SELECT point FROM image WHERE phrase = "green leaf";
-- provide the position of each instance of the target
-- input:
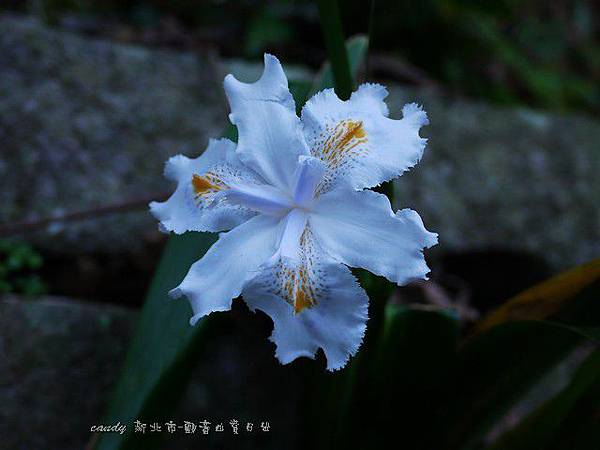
(591, 333)
(559, 419)
(493, 371)
(412, 345)
(545, 299)
(580, 428)
(415, 349)
(401, 382)
(356, 47)
(571, 301)
(159, 357)
(334, 42)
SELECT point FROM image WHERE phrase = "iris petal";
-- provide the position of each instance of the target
(314, 303)
(308, 176)
(218, 277)
(191, 207)
(270, 138)
(361, 146)
(358, 228)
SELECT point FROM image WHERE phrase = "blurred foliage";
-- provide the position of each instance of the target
(540, 53)
(566, 421)
(545, 299)
(19, 264)
(426, 387)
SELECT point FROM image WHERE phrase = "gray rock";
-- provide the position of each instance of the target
(60, 358)
(58, 361)
(86, 123)
(511, 179)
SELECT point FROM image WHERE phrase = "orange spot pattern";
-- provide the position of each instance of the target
(341, 141)
(339, 146)
(298, 285)
(207, 184)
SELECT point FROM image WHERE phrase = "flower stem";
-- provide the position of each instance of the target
(336, 50)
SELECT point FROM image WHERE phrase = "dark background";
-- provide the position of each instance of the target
(518, 72)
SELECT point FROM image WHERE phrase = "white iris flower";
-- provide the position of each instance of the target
(293, 193)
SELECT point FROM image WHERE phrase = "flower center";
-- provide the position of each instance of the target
(309, 173)
(264, 198)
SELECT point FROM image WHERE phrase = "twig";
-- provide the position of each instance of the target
(27, 226)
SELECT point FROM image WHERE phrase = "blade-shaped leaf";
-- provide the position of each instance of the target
(545, 299)
(580, 429)
(331, 26)
(551, 421)
(393, 397)
(498, 365)
(161, 346)
(416, 350)
(356, 47)
(493, 371)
